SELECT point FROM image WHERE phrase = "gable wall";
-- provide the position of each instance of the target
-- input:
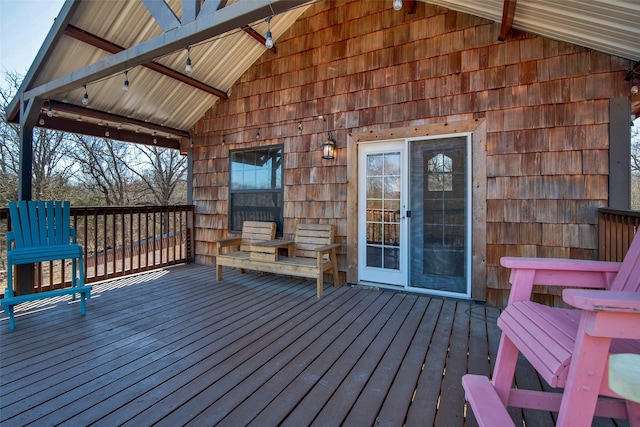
(365, 67)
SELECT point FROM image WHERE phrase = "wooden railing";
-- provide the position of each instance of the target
(117, 241)
(616, 229)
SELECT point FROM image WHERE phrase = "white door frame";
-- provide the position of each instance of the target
(395, 279)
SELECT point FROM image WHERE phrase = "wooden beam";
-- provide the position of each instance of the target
(107, 46)
(259, 37)
(83, 111)
(64, 124)
(163, 14)
(508, 12)
(235, 15)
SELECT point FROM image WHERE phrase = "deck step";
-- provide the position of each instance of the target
(487, 406)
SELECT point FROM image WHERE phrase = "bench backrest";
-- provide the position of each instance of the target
(628, 277)
(256, 231)
(308, 237)
(39, 223)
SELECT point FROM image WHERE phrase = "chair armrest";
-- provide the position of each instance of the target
(598, 300)
(326, 248)
(560, 264)
(526, 272)
(230, 241)
(609, 314)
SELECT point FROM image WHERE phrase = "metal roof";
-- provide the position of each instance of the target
(88, 35)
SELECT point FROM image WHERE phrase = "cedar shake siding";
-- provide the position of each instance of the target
(542, 105)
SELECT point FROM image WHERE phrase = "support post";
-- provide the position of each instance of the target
(29, 112)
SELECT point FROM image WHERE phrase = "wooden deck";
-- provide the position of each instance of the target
(174, 347)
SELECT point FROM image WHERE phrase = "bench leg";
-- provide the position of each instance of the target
(334, 269)
(320, 284)
(218, 272)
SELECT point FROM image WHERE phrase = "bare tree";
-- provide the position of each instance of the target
(103, 168)
(162, 170)
(50, 168)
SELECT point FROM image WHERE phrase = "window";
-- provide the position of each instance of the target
(255, 189)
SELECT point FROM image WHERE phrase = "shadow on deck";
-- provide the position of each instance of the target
(175, 347)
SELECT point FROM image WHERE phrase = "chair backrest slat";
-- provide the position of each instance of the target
(40, 223)
(15, 223)
(256, 231)
(308, 237)
(628, 277)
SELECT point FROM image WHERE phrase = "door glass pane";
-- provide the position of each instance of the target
(383, 210)
(438, 214)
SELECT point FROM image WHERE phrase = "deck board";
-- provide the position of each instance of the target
(175, 347)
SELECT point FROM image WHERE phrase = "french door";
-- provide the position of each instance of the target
(414, 220)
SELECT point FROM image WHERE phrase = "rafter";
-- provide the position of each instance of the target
(508, 12)
(113, 48)
(190, 10)
(162, 13)
(258, 37)
(411, 6)
(205, 27)
(210, 6)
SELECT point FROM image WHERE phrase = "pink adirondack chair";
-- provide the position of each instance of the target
(569, 348)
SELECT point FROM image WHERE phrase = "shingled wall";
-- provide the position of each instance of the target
(365, 67)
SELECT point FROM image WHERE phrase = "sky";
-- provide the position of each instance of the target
(24, 24)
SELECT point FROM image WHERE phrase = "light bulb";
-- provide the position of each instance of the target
(49, 111)
(269, 40)
(85, 98)
(125, 85)
(634, 87)
(397, 4)
(41, 121)
(187, 67)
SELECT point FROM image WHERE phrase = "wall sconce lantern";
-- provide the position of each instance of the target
(329, 148)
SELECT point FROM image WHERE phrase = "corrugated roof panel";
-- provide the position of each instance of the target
(611, 27)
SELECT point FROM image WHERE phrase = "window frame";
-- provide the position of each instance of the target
(237, 228)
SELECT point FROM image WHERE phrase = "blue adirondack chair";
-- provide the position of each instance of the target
(42, 232)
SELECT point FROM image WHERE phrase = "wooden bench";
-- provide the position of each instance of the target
(41, 232)
(568, 347)
(310, 254)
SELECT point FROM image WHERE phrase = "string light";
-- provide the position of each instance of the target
(49, 111)
(634, 87)
(125, 85)
(269, 38)
(85, 98)
(397, 4)
(187, 67)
